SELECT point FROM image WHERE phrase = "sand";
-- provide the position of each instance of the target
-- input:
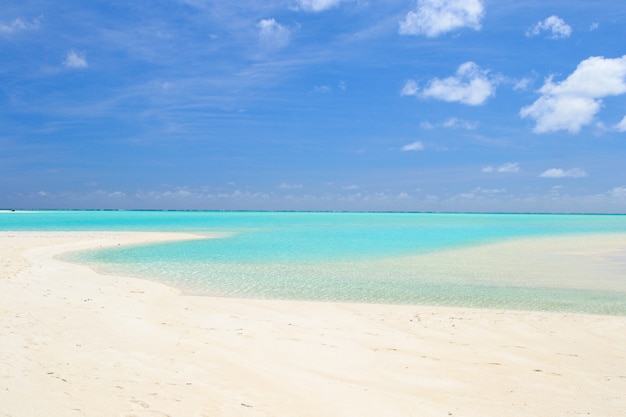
(76, 343)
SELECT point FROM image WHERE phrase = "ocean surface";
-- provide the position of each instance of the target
(352, 257)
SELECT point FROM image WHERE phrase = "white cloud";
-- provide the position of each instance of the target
(594, 26)
(74, 59)
(317, 5)
(574, 102)
(272, 34)
(455, 123)
(471, 85)
(287, 186)
(561, 173)
(618, 192)
(508, 167)
(415, 146)
(18, 25)
(621, 126)
(490, 191)
(410, 88)
(323, 89)
(522, 84)
(556, 26)
(435, 17)
(480, 192)
(451, 123)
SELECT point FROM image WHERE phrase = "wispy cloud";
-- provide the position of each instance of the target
(75, 59)
(451, 123)
(471, 85)
(272, 34)
(415, 146)
(508, 167)
(553, 25)
(18, 25)
(621, 126)
(288, 186)
(574, 102)
(523, 84)
(436, 17)
(325, 88)
(322, 89)
(410, 88)
(618, 192)
(561, 173)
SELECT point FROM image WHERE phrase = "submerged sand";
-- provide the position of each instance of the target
(77, 343)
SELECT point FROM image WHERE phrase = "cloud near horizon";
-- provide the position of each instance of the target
(471, 85)
(554, 25)
(573, 103)
(436, 17)
(288, 186)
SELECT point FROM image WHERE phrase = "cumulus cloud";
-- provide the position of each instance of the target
(415, 146)
(508, 167)
(561, 173)
(317, 5)
(471, 85)
(554, 25)
(272, 34)
(18, 25)
(74, 59)
(574, 102)
(621, 126)
(436, 17)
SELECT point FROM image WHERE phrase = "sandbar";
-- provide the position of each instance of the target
(77, 343)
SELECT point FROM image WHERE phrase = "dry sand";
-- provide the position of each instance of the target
(76, 343)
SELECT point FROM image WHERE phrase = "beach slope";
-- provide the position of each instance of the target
(77, 343)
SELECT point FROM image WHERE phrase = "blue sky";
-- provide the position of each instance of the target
(427, 105)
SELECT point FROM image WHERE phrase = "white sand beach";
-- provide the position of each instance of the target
(77, 343)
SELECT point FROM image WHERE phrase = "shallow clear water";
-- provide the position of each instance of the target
(329, 256)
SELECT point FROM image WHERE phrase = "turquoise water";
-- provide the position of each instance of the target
(330, 256)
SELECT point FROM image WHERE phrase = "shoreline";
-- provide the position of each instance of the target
(79, 343)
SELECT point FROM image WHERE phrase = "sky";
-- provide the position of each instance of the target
(395, 105)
